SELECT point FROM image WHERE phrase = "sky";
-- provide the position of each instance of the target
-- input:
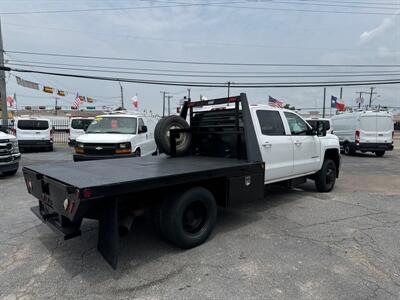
(238, 31)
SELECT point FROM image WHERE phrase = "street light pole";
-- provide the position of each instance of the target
(122, 95)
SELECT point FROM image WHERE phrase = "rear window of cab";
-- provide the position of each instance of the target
(33, 124)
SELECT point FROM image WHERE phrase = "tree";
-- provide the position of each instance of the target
(287, 106)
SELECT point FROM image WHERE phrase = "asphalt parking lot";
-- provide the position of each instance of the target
(296, 244)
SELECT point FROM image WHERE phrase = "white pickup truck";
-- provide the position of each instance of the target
(9, 154)
(223, 158)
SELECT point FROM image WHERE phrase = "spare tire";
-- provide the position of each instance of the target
(162, 131)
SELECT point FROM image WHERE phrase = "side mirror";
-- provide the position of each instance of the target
(143, 129)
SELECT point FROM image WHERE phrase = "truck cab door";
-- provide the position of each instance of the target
(306, 147)
(142, 137)
(275, 145)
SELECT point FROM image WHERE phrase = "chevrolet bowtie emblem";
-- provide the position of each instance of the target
(99, 148)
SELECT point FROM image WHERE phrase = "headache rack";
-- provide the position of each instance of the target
(219, 131)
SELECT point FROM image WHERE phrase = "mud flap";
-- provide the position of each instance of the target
(108, 243)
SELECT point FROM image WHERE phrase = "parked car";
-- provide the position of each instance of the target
(115, 136)
(327, 123)
(365, 131)
(223, 158)
(77, 127)
(34, 133)
(9, 154)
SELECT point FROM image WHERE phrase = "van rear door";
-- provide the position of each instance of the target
(368, 128)
(384, 128)
(33, 130)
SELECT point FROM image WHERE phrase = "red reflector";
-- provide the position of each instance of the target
(71, 206)
(87, 193)
(232, 99)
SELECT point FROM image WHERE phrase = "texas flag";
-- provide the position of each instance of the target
(336, 104)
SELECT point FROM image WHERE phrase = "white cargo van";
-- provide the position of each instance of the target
(116, 135)
(77, 127)
(366, 131)
(34, 133)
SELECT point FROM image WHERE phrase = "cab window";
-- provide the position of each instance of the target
(270, 122)
(296, 124)
(141, 124)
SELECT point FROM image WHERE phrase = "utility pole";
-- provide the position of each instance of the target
(163, 105)
(341, 93)
(3, 94)
(16, 104)
(188, 94)
(229, 87)
(122, 95)
(371, 92)
(323, 107)
(169, 104)
(370, 95)
(56, 106)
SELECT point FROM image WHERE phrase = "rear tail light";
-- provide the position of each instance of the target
(51, 134)
(357, 136)
(13, 131)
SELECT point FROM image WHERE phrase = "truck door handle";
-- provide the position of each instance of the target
(267, 145)
(297, 143)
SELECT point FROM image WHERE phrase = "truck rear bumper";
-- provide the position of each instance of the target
(83, 157)
(50, 220)
(35, 143)
(373, 147)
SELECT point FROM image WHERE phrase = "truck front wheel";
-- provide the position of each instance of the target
(326, 177)
(188, 220)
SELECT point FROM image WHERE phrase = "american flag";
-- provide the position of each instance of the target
(78, 101)
(274, 102)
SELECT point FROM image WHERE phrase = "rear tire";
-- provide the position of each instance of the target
(326, 177)
(188, 220)
(348, 150)
(162, 135)
(380, 153)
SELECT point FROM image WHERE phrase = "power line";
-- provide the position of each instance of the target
(207, 76)
(219, 84)
(187, 41)
(307, 10)
(194, 71)
(204, 63)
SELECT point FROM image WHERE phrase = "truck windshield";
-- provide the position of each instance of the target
(122, 125)
(80, 123)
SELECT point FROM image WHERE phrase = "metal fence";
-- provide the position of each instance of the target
(61, 131)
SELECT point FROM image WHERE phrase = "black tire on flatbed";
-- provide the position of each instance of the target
(188, 219)
(326, 177)
(161, 135)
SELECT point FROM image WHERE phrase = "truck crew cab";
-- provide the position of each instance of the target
(223, 158)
